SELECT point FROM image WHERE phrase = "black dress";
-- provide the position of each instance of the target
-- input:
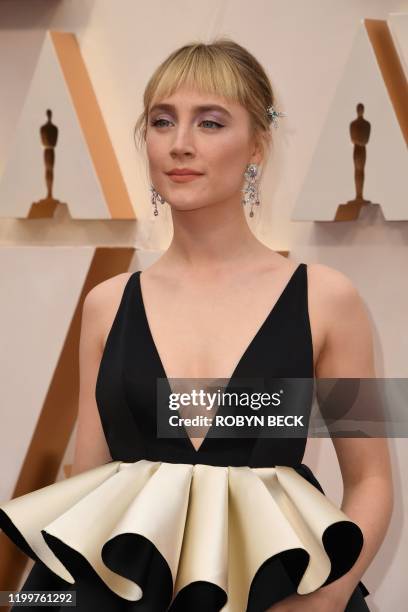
(237, 525)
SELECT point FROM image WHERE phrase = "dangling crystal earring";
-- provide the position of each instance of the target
(155, 195)
(250, 189)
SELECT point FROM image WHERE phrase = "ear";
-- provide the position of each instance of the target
(257, 149)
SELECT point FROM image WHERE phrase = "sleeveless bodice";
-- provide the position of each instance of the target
(126, 386)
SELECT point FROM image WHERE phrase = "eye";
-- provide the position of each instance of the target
(157, 122)
(213, 122)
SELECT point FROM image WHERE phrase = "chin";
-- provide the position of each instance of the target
(180, 206)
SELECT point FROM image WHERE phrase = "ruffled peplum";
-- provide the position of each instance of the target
(190, 530)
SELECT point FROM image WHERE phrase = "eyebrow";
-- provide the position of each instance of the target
(200, 107)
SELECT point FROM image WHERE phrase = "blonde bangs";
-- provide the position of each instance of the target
(222, 68)
(199, 70)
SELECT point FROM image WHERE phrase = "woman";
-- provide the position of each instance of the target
(218, 304)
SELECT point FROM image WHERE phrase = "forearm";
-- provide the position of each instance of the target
(369, 504)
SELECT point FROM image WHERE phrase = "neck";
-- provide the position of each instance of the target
(211, 239)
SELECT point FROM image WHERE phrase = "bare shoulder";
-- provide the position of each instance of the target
(337, 311)
(102, 302)
(344, 319)
(331, 287)
(106, 290)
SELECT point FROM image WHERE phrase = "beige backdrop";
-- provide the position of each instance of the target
(303, 45)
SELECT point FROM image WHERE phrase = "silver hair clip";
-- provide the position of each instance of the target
(273, 115)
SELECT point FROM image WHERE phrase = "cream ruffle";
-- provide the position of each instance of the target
(210, 523)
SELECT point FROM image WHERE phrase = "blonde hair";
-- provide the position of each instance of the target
(222, 67)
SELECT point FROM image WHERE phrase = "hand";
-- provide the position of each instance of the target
(318, 601)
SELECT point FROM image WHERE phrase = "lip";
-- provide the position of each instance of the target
(183, 171)
(183, 178)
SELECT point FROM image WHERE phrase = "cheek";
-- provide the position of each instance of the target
(229, 156)
(154, 160)
(153, 149)
(226, 169)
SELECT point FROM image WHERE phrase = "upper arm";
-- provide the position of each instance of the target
(91, 448)
(348, 353)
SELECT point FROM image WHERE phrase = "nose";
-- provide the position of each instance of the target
(183, 142)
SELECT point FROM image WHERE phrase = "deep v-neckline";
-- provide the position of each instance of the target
(238, 365)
